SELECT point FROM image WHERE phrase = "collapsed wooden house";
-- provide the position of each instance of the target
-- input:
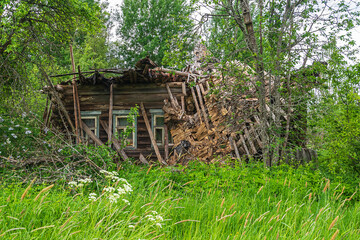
(177, 109)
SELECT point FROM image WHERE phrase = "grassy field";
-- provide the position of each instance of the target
(196, 202)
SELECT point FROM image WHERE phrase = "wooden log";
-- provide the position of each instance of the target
(110, 115)
(203, 107)
(166, 144)
(202, 89)
(143, 159)
(196, 103)
(116, 144)
(185, 74)
(143, 111)
(91, 134)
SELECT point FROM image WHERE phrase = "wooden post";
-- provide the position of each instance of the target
(245, 147)
(110, 115)
(196, 103)
(143, 111)
(173, 100)
(202, 107)
(183, 103)
(166, 144)
(77, 120)
(183, 88)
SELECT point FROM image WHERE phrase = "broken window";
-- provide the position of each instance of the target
(158, 127)
(122, 128)
(91, 119)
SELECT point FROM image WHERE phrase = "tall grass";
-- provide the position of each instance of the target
(211, 203)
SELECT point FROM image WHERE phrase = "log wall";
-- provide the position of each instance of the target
(97, 98)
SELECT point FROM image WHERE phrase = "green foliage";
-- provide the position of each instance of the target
(150, 27)
(196, 202)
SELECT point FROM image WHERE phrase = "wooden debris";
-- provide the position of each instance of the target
(143, 159)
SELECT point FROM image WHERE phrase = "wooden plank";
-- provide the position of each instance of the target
(116, 144)
(173, 100)
(183, 88)
(183, 103)
(76, 113)
(245, 147)
(196, 103)
(143, 159)
(250, 141)
(202, 107)
(233, 144)
(110, 115)
(257, 137)
(91, 134)
(202, 89)
(143, 111)
(166, 144)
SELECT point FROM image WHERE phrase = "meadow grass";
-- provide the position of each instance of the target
(199, 202)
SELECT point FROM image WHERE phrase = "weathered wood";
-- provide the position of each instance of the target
(143, 159)
(233, 144)
(202, 107)
(77, 117)
(185, 74)
(158, 155)
(110, 114)
(91, 134)
(250, 141)
(183, 103)
(202, 89)
(166, 140)
(183, 88)
(196, 103)
(116, 144)
(245, 147)
(173, 100)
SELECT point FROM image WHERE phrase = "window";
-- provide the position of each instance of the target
(120, 125)
(158, 127)
(91, 119)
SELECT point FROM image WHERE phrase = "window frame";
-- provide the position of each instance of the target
(124, 114)
(91, 115)
(159, 113)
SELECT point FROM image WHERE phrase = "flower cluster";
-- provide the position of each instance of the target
(155, 218)
(80, 183)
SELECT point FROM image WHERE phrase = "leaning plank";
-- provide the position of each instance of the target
(143, 159)
(158, 155)
(245, 147)
(233, 144)
(196, 103)
(250, 141)
(91, 134)
(115, 142)
(109, 132)
(76, 112)
(202, 107)
(173, 100)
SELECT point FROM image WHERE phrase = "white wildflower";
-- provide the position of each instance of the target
(114, 173)
(92, 196)
(86, 180)
(8, 141)
(126, 201)
(159, 218)
(113, 198)
(10, 128)
(121, 191)
(59, 150)
(13, 135)
(127, 188)
(46, 130)
(27, 132)
(159, 225)
(73, 184)
(115, 179)
(80, 185)
(154, 212)
(17, 125)
(109, 189)
(23, 114)
(150, 217)
(131, 226)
